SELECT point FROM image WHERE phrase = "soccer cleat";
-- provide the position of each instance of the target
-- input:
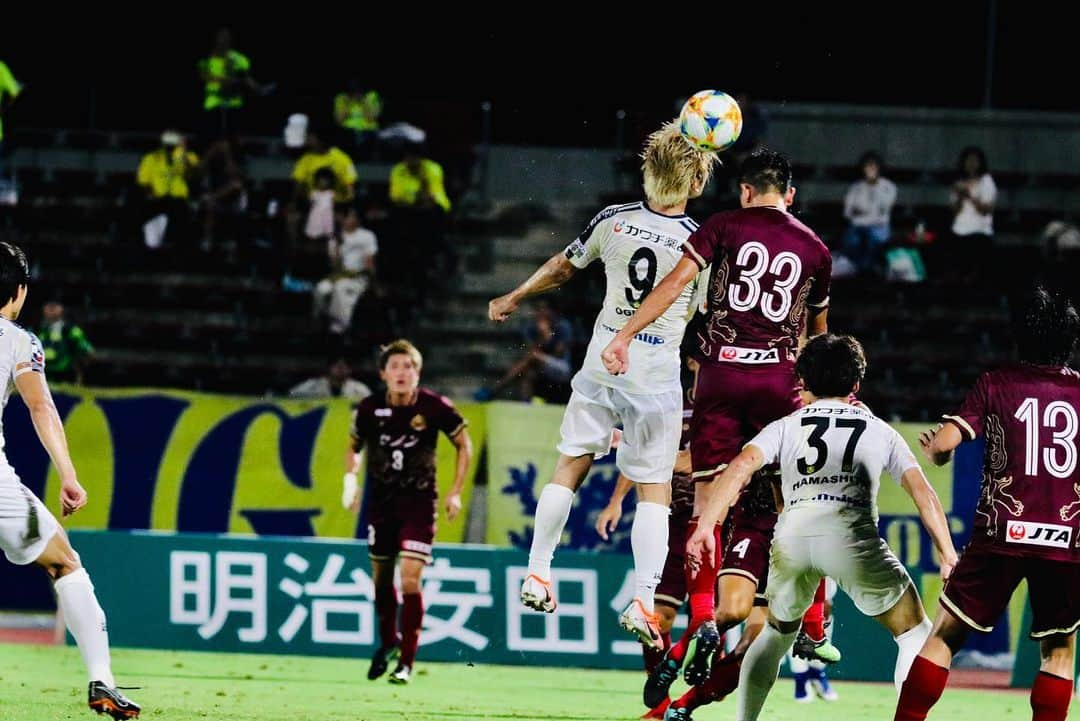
(811, 650)
(659, 682)
(641, 623)
(103, 699)
(677, 713)
(822, 688)
(381, 660)
(536, 594)
(699, 653)
(659, 711)
(401, 675)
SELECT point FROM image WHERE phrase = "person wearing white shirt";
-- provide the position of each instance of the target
(868, 207)
(337, 383)
(973, 197)
(352, 262)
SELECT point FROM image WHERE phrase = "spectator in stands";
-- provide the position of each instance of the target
(225, 199)
(973, 197)
(336, 383)
(67, 350)
(166, 175)
(356, 112)
(226, 76)
(544, 370)
(318, 155)
(418, 220)
(9, 90)
(868, 207)
(352, 265)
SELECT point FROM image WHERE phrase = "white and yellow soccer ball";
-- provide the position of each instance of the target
(711, 120)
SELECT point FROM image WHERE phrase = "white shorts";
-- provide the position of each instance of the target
(26, 525)
(864, 567)
(651, 428)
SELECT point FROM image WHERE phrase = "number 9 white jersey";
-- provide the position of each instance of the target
(638, 248)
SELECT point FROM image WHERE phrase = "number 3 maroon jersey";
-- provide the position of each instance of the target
(767, 268)
(1030, 499)
(401, 442)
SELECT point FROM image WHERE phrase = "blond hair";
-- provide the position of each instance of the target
(400, 347)
(674, 170)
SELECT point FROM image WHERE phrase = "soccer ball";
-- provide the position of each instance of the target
(711, 120)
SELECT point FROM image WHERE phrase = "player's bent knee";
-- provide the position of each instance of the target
(59, 558)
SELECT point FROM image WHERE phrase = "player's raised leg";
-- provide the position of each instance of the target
(85, 621)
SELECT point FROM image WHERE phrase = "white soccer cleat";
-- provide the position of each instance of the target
(536, 594)
(641, 623)
(824, 689)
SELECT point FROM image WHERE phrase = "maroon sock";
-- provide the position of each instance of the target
(653, 656)
(813, 622)
(412, 618)
(386, 608)
(723, 679)
(922, 689)
(1050, 696)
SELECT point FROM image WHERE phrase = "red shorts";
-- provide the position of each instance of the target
(981, 585)
(746, 553)
(404, 526)
(731, 404)
(671, 590)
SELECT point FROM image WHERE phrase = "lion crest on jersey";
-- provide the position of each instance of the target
(418, 422)
(995, 495)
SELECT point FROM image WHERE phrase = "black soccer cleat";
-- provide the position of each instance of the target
(381, 661)
(810, 650)
(703, 644)
(103, 699)
(680, 713)
(659, 682)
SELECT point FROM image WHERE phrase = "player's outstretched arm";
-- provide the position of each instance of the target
(616, 356)
(553, 273)
(350, 493)
(939, 443)
(933, 517)
(726, 490)
(463, 443)
(50, 430)
(608, 520)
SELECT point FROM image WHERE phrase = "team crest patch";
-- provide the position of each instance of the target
(418, 422)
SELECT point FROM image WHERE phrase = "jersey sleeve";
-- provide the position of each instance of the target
(586, 247)
(822, 279)
(768, 441)
(29, 355)
(701, 245)
(361, 425)
(449, 420)
(969, 419)
(901, 459)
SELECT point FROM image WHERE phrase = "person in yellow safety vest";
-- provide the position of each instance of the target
(9, 90)
(226, 76)
(166, 175)
(417, 182)
(317, 155)
(357, 110)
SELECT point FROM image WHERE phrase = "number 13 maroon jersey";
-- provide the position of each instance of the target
(1030, 499)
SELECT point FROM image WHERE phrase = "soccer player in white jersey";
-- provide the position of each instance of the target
(831, 456)
(29, 533)
(638, 243)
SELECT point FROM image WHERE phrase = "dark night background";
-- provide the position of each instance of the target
(553, 77)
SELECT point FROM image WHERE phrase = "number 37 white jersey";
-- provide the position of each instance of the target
(831, 457)
(638, 248)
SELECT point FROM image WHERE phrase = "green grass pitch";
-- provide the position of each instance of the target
(43, 683)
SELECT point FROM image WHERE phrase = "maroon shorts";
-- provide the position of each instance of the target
(402, 526)
(981, 585)
(731, 404)
(672, 588)
(746, 553)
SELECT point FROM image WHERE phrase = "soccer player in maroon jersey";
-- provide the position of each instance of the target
(1027, 522)
(769, 286)
(400, 431)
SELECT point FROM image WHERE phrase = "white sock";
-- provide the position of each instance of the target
(86, 622)
(552, 510)
(909, 643)
(760, 667)
(649, 542)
